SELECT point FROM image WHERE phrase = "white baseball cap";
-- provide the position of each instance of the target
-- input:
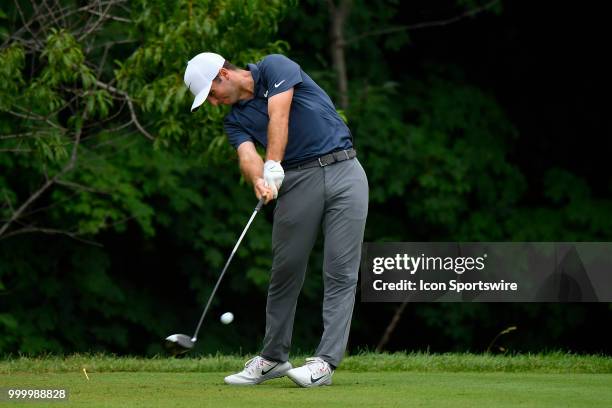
(200, 72)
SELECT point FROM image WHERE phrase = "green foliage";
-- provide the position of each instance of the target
(371, 32)
(12, 60)
(175, 32)
(573, 214)
(134, 232)
(65, 62)
(110, 183)
(446, 164)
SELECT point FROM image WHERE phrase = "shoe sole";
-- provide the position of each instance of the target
(312, 385)
(275, 375)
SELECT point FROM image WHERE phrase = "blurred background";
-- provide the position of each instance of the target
(475, 121)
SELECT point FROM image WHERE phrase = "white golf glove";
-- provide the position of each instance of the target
(273, 175)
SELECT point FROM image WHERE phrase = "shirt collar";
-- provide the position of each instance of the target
(255, 74)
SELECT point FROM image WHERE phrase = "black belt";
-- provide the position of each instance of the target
(325, 160)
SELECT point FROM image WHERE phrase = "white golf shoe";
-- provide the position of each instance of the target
(314, 373)
(258, 370)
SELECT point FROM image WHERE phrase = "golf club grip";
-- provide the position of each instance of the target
(259, 204)
(212, 295)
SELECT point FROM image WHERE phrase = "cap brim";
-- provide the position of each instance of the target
(200, 98)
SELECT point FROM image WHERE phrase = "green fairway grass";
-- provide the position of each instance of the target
(369, 380)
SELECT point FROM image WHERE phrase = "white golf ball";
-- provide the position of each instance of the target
(227, 318)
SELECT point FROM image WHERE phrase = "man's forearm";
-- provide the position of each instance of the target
(251, 166)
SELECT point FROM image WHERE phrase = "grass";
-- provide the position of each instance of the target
(367, 380)
(557, 362)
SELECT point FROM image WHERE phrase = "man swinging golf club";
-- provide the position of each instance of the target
(311, 171)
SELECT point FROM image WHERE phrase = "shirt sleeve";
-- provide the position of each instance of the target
(235, 133)
(279, 74)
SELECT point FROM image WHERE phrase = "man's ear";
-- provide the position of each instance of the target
(224, 73)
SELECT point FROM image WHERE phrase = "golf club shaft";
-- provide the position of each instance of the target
(212, 295)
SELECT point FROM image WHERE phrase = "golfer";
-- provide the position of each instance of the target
(312, 172)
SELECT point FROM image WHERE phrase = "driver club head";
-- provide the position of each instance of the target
(178, 344)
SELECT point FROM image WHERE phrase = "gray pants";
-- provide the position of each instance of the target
(335, 198)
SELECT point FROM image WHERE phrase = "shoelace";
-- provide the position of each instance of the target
(253, 363)
(318, 364)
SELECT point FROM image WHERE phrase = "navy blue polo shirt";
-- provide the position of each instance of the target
(315, 128)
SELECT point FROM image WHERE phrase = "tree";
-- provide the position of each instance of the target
(96, 139)
(440, 152)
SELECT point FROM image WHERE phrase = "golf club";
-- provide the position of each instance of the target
(181, 343)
